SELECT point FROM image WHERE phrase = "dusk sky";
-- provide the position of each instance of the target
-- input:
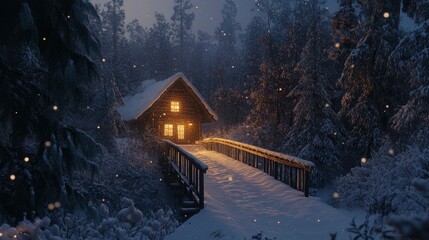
(207, 12)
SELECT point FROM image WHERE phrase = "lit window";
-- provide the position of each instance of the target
(181, 131)
(175, 107)
(168, 130)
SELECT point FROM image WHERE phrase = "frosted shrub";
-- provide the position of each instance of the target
(383, 185)
(129, 223)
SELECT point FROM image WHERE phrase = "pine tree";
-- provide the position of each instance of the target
(38, 153)
(158, 49)
(366, 86)
(315, 134)
(226, 36)
(410, 61)
(182, 31)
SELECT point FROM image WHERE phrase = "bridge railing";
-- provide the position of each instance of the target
(188, 169)
(288, 169)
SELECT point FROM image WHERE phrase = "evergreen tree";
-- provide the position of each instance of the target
(315, 134)
(182, 31)
(226, 36)
(158, 49)
(367, 91)
(46, 57)
(410, 61)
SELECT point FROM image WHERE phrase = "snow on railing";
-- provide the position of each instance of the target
(187, 168)
(288, 169)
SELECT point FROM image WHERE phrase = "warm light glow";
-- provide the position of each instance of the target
(1, 234)
(57, 204)
(337, 45)
(335, 195)
(51, 206)
(15, 236)
(26, 159)
(230, 179)
(363, 160)
(387, 106)
(175, 106)
(280, 89)
(386, 15)
(181, 131)
(55, 107)
(68, 16)
(391, 151)
(150, 162)
(48, 144)
(44, 39)
(12, 177)
(190, 124)
(352, 66)
(168, 130)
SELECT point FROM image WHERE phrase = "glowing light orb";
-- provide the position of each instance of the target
(280, 89)
(98, 127)
(26, 159)
(335, 195)
(337, 45)
(391, 151)
(117, 175)
(57, 204)
(12, 177)
(48, 144)
(68, 16)
(44, 39)
(51, 206)
(103, 60)
(363, 160)
(230, 179)
(55, 107)
(327, 105)
(387, 106)
(386, 15)
(254, 220)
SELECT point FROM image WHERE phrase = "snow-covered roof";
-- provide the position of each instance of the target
(149, 92)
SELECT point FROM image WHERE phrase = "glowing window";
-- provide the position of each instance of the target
(175, 106)
(180, 131)
(168, 130)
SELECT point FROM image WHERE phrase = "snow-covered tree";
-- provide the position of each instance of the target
(47, 55)
(227, 35)
(315, 134)
(366, 86)
(182, 21)
(158, 49)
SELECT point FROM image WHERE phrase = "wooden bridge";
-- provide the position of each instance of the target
(187, 172)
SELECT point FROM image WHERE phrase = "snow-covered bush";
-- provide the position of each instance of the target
(128, 223)
(383, 185)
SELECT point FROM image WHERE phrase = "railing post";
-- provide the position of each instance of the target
(306, 187)
(276, 170)
(201, 190)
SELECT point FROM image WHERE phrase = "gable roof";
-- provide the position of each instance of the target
(135, 105)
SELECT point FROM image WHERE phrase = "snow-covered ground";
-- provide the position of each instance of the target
(242, 201)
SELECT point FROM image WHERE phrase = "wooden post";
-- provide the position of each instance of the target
(306, 187)
(201, 190)
(276, 173)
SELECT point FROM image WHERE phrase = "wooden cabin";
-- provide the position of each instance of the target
(172, 107)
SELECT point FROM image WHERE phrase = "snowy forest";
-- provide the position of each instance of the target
(347, 90)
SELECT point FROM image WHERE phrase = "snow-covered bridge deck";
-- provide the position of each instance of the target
(241, 201)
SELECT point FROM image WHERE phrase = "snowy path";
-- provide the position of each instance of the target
(242, 201)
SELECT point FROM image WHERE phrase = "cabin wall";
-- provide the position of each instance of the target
(189, 117)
